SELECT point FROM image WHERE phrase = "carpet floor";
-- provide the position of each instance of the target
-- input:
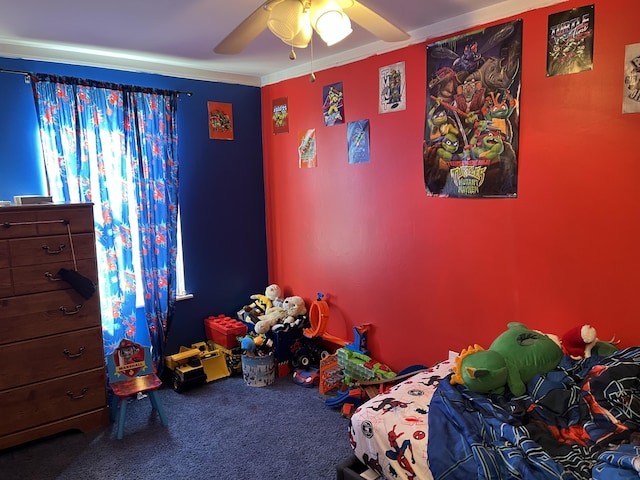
(224, 430)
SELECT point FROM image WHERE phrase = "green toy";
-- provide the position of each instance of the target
(513, 359)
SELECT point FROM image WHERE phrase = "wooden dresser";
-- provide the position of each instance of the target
(52, 375)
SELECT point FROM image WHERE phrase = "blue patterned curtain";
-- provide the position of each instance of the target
(116, 146)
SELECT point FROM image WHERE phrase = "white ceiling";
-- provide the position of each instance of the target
(176, 37)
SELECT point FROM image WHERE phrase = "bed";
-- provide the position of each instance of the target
(579, 421)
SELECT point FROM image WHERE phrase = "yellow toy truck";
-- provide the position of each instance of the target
(196, 365)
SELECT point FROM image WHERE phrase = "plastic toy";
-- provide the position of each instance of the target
(513, 359)
(306, 377)
(256, 345)
(195, 366)
(319, 321)
(307, 352)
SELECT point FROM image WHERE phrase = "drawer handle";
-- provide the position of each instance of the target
(78, 397)
(74, 355)
(52, 277)
(47, 249)
(70, 312)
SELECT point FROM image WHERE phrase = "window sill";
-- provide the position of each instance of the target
(184, 296)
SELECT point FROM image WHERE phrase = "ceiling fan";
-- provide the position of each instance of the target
(294, 21)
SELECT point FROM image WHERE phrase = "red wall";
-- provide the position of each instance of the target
(433, 274)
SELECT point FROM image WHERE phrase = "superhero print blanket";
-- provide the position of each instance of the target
(580, 421)
(389, 433)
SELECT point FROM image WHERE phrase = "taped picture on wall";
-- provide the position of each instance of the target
(307, 156)
(631, 95)
(358, 141)
(392, 88)
(333, 104)
(220, 121)
(280, 115)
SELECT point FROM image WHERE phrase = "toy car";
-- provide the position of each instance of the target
(307, 378)
(307, 352)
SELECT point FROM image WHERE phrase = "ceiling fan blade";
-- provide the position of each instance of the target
(374, 23)
(245, 33)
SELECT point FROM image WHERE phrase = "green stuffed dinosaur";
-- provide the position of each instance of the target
(513, 359)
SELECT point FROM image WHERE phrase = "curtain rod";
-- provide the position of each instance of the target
(27, 74)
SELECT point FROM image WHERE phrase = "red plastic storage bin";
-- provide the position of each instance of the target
(224, 330)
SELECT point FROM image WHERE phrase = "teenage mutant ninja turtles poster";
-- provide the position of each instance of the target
(472, 114)
(570, 41)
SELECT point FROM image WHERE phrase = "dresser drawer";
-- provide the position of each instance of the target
(41, 314)
(51, 400)
(6, 287)
(32, 220)
(79, 219)
(4, 253)
(43, 278)
(52, 249)
(49, 357)
(15, 223)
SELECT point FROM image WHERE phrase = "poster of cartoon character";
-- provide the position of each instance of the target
(333, 104)
(280, 115)
(220, 120)
(631, 96)
(392, 88)
(472, 114)
(358, 141)
(570, 41)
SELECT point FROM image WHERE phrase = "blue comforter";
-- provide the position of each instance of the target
(570, 425)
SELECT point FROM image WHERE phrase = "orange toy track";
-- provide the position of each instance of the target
(319, 319)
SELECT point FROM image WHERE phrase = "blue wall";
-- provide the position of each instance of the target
(221, 184)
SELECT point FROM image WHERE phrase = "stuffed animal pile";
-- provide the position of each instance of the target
(272, 297)
(290, 314)
(519, 354)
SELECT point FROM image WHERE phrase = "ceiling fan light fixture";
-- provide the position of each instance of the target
(328, 19)
(333, 28)
(302, 39)
(286, 20)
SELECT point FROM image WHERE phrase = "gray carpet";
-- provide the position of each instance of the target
(223, 430)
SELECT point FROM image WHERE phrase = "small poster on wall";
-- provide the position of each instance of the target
(220, 121)
(333, 104)
(307, 154)
(472, 116)
(358, 141)
(631, 97)
(392, 88)
(570, 41)
(280, 115)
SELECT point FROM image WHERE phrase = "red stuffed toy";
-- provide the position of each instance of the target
(578, 342)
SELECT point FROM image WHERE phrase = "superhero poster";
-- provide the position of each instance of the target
(570, 41)
(333, 104)
(220, 121)
(472, 115)
(358, 141)
(280, 115)
(392, 88)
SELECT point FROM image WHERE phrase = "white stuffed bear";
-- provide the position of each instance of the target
(274, 293)
(261, 303)
(281, 317)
